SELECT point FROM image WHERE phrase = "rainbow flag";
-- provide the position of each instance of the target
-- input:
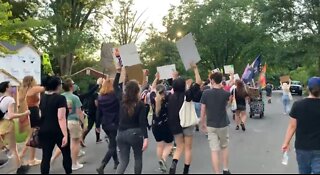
(263, 79)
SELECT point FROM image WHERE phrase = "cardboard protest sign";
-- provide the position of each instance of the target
(253, 92)
(229, 69)
(166, 71)
(135, 72)
(188, 51)
(126, 55)
(284, 79)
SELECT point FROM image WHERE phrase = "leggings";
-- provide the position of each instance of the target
(131, 138)
(48, 142)
(91, 122)
(112, 149)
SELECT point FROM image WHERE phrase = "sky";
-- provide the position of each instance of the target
(155, 11)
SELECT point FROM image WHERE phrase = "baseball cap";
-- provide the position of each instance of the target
(314, 82)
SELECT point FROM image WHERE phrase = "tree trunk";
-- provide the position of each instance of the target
(65, 63)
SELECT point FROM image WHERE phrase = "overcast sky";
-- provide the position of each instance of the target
(155, 11)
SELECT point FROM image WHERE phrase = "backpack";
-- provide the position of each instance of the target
(2, 114)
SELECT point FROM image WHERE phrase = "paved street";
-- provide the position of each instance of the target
(258, 150)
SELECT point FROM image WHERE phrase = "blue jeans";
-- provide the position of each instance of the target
(308, 161)
(286, 103)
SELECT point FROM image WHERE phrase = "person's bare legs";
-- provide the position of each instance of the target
(243, 117)
(11, 138)
(225, 158)
(179, 149)
(237, 118)
(166, 151)
(188, 149)
(215, 161)
(187, 153)
(160, 149)
(180, 146)
(75, 149)
(25, 148)
(56, 154)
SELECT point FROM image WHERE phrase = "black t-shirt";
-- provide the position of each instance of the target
(163, 114)
(195, 92)
(241, 101)
(49, 105)
(92, 108)
(307, 114)
(136, 121)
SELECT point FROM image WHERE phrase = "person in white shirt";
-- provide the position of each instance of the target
(7, 130)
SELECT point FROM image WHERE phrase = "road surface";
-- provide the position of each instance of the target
(258, 150)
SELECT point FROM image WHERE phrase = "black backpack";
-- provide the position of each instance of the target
(2, 114)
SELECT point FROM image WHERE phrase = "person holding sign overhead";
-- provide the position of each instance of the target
(183, 135)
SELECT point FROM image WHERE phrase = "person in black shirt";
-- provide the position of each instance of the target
(305, 122)
(91, 111)
(269, 92)
(53, 126)
(183, 136)
(241, 97)
(132, 128)
(160, 127)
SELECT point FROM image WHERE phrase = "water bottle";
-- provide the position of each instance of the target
(285, 159)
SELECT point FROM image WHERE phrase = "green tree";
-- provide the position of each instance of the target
(12, 29)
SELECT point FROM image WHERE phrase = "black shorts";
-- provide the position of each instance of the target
(34, 117)
(162, 133)
(241, 108)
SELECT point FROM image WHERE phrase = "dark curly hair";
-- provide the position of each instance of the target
(131, 97)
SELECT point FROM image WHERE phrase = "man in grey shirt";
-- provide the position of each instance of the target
(215, 121)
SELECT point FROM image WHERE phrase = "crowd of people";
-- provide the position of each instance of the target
(57, 117)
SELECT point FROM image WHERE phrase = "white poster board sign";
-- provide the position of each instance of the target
(216, 70)
(229, 69)
(188, 51)
(236, 77)
(126, 55)
(166, 71)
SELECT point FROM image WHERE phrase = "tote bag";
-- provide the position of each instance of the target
(234, 106)
(188, 115)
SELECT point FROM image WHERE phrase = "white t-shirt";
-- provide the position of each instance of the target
(4, 105)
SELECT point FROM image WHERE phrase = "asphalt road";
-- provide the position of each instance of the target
(256, 151)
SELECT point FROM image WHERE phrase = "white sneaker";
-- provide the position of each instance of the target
(81, 153)
(77, 167)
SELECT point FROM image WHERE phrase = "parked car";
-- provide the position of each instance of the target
(296, 88)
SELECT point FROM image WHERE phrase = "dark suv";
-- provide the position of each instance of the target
(296, 88)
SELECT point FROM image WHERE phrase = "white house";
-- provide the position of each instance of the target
(24, 60)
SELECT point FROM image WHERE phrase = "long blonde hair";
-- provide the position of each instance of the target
(27, 83)
(107, 87)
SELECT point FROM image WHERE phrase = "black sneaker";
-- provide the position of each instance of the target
(23, 169)
(243, 127)
(173, 168)
(115, 167)
(237, 128)
(226, 172)
(3, 162)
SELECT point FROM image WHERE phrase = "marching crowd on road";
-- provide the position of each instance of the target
(179, 107)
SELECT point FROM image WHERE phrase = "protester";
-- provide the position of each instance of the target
(215, 121)
(145, 98)
(132, 128)
(32, 92)
(160, 127)
(241, 113)
(108, 115)
(269, 89)
(75, 119)
(286, 96)
(304, 123)
(7, 126)
(183, 136)
(53, 125)
(92, 103)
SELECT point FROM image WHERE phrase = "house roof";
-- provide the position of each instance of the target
(15, 47)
